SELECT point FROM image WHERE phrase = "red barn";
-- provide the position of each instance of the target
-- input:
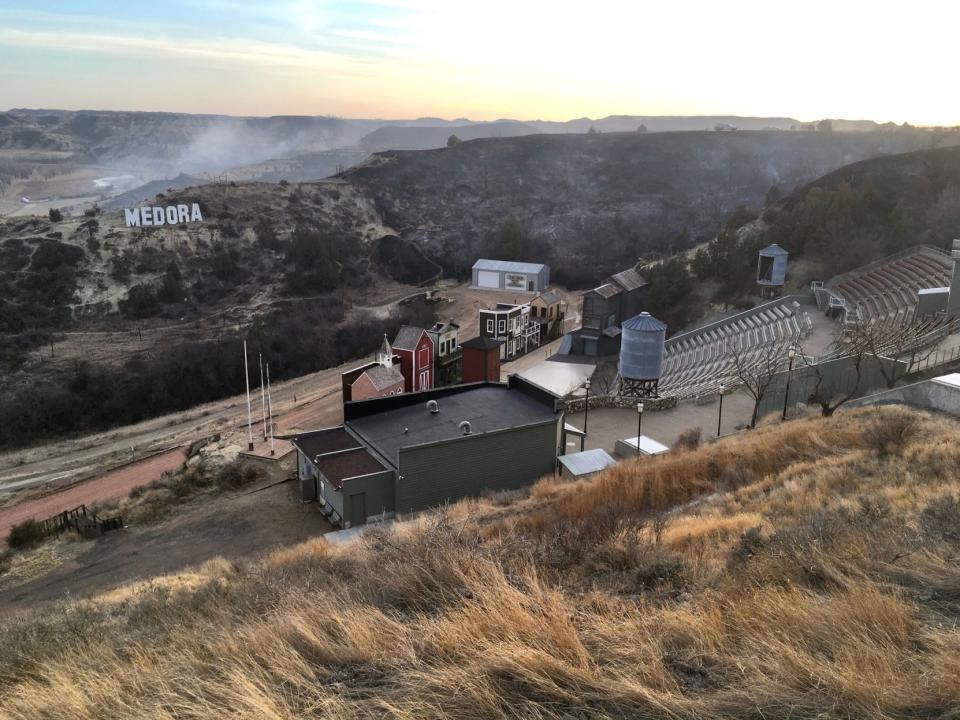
(415, 348)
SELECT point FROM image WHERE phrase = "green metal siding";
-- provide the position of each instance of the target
(378, 489)
(430, 475)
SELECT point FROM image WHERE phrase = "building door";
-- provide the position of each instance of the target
(529, 285)
(488, 279)
(424, 380)
(590, 346)
(358, 509)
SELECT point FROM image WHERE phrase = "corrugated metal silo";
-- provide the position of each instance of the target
(641, 354)
(772, 268)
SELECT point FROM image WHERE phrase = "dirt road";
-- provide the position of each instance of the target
(112, 485)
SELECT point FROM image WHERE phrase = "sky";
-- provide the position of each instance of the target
(523, 59)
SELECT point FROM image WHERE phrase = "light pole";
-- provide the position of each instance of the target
(720, 413)
(586, 406)
(639, 423)
(791, 353)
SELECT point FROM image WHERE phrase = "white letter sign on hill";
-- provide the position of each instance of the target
(169, 215)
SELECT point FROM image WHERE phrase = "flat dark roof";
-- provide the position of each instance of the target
(486, 407)
(345, 465)
(325, 441)
(482, 343)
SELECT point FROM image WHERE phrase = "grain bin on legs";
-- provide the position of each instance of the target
(641, 355)
(772, 270)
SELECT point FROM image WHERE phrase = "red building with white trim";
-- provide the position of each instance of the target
(414, 347)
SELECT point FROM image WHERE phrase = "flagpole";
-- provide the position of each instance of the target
(246, 372)
(270, 409)
(263, 399)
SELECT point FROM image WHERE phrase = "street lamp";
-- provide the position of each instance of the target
(791, 353)
(720, 413)
(586, 406)
(639, 422)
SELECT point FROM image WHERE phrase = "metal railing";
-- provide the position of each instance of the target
(935, 359)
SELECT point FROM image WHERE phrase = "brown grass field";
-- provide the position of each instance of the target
(803, 570)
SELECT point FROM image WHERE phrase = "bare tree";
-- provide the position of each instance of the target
(605, 377)
(755, 367)
(846, 346)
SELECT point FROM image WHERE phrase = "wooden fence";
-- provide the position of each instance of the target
(79, 519)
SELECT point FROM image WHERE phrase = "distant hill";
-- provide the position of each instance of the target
(150, 190)
(868, 209)
(429, 137)
(593, 202)
(300, 167)
(667, 123)
(845, 219)
(168, 143)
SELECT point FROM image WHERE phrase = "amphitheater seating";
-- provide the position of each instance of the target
(887, 290)
(696, 362)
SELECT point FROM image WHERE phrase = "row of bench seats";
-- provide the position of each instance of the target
(890, 290)
(697, 362)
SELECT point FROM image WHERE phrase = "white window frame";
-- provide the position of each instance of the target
(491, 325)
(501, 326)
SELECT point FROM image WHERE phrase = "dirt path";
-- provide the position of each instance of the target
(112, 485)
(233, 526)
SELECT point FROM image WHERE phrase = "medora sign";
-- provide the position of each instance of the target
(169, 215)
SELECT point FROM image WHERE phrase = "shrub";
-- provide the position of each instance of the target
(751, 542)
(237, 474)
(659, 569)
(26, 534)
(941, 519)
(55, 215)
(689, 439)
(887, 433)
(504, 498)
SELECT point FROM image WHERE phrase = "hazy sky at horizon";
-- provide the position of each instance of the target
(808, 59)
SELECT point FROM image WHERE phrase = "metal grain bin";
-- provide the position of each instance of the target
(772, 267)
(641, 354)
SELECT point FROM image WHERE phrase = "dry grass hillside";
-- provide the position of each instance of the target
(802, 570)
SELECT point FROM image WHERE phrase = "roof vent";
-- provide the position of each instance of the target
(433, 407)
(465, 428)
